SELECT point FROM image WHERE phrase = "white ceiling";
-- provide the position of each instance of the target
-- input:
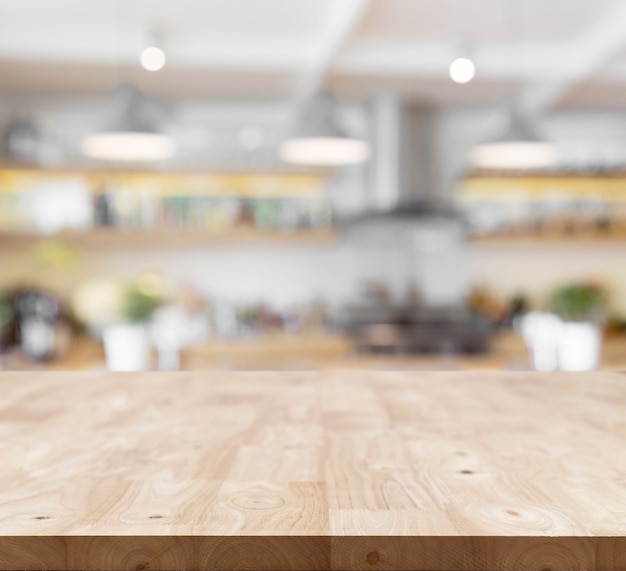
(480, 20)
(563, 53)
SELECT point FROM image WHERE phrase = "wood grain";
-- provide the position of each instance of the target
(329, 470)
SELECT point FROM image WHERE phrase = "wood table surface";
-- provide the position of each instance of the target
(328, 470)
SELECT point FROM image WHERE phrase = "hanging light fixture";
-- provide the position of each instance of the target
(462, 68)
(319, 140)
(153, 56)
(519, 146)
(131, 135)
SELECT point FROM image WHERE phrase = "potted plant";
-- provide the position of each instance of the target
(126, 343)
(582, 308)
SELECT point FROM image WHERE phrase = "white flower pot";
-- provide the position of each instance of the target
(541, 332)
(579, 346)
(126, 347)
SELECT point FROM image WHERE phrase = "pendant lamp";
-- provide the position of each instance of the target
(519, 146)
(131, 134)
(319, 139)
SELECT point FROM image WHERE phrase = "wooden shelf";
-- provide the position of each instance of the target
(115, 237)
(609, 188)
(546, 239)
(172, 183)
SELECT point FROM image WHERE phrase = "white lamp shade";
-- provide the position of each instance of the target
(520, 146)
(513, 155)
(320, 141)
(128, 146)
(322, 151)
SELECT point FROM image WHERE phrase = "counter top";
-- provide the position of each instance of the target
(318, 352)
(328, 470)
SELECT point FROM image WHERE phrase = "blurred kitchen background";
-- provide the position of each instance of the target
(287, 184)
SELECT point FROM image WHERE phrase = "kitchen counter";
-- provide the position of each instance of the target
(319, 352)
(304, 470)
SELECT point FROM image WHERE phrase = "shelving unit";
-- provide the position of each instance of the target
(564, 210)
(162, 209)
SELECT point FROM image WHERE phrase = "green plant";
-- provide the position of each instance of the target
(580, 302)
(6, 311)
(138, 305)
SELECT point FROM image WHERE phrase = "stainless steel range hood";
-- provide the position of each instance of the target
(406, 218)
(403, 169)
(403, 179)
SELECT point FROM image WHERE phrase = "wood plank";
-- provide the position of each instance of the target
(169, 238)
(302, 470)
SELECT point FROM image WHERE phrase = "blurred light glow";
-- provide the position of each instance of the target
(128, 146)
(153, 58)
(462, 70)
(321, 151)
(513, 155)
(98, 301)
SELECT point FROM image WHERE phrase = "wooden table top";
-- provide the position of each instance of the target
(333, 470)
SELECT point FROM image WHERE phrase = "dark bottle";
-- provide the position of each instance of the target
(518, 306)
(104, 214)
(7, 323)
(38, 322)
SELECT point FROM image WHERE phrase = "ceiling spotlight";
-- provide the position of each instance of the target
(462, 70)
(153, 58)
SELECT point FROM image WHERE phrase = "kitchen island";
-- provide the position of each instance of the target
(313, 470)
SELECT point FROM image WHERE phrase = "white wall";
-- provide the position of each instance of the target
(275, 274)
(281, 275)
(336, 273)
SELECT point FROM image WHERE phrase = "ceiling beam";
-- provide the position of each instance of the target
(343, 17)
(430, 60)
(597, 47)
